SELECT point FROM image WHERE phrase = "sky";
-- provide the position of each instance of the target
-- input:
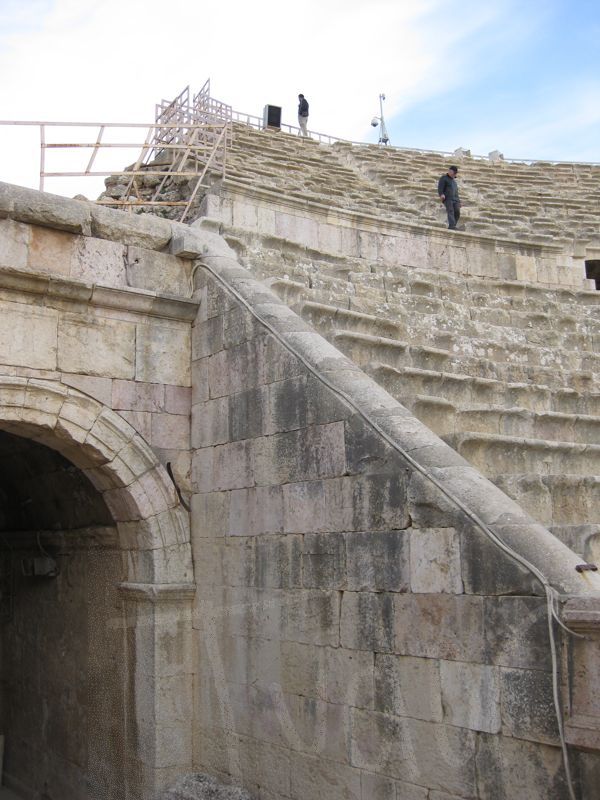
(519, 77)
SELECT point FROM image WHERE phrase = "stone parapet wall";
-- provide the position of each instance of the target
(351, 234)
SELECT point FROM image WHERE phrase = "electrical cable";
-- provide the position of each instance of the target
(550, 592)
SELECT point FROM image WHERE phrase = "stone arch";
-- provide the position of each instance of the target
(153, 533)
(117, 461)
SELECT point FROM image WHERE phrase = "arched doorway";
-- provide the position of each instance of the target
(96, 580)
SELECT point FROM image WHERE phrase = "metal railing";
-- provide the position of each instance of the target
(254, 121)
(170, 150)
(189, 139)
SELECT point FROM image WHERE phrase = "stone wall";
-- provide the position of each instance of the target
(356, 632)
(95, 340)
(351, 234)
(63, 669)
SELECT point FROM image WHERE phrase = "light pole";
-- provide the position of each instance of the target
(383, 136)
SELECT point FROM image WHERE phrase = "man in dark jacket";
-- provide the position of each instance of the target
(448, 192)
(302, 115)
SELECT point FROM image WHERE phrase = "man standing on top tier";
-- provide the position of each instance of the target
(448, 192)
(302, 115)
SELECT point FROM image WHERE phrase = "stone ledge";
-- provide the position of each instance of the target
(77, 292)
(158, 592)
(83, 217)
(382, 224)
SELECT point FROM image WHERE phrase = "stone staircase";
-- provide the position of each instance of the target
(507, 373)
(539, 202)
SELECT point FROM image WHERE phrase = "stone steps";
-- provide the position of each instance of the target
(367, 337)
(499, 304)
(465, 392)
(492, 454)
(554, 499)
(444, 418)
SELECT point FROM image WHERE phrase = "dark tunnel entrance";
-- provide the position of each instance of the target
(592, 271)
(62, 650)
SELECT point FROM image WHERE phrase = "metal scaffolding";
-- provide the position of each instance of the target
(188, 142)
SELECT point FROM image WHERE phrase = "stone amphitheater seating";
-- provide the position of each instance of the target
(508, 373)
(505, 372)
(541, 202)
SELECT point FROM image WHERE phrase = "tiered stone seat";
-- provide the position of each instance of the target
(540, 202)
(303, 168)
(507, 373)
(536, 201)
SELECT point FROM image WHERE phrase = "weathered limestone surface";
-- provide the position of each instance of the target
(95, 341)
(348, 626)
(341, 617)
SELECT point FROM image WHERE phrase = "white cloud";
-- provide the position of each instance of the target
(112, 60)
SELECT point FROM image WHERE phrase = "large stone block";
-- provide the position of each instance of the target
(435, 561)
(318, 728)
(311, 616)
(207, 337)
(138, 396)
(316, 506)
(227, 466)
(324, 561)
(528, 710)
(377, 561)
(51, 251)
(378, 787)
(210, 514)
(51, 210)
(349, 677)
(255, 511)
(29, 336)
(486, 570)
(303, 669)
(440, 626)
(367, 621)
(408, 687)
(508, 768)
(98, 261)
(424, 753)
(471, 695)
(210, 423)
(158, 272)
(142, 230)
(170, 431)
(310, 453)
(14, 244)
(235, 370)
(516, 632)
(313, 777)
(277, 562)
(98, 388)
(248, 413)
(112, 343)
(163, 353)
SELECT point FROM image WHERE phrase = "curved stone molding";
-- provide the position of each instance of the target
(117, 461)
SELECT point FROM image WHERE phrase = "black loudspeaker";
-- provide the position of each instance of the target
(272, 117)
